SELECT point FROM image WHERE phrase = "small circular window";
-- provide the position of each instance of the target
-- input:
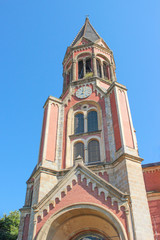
(84, 107)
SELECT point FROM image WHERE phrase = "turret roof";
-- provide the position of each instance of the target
(88, 32)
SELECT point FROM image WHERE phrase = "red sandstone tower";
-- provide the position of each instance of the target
(88, 182)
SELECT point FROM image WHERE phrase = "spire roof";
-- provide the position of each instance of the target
(88, 32)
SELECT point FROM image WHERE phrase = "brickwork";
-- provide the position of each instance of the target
(152, 179)
(154, 207)
(151, 176)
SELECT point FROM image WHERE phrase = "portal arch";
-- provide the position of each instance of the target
(79, 218)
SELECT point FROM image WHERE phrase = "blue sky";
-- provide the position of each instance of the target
(34, 36)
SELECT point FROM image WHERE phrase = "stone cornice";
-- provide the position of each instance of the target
(116, 84)
(44, 170)
(100, 166)
(25, 209)
(53, 99)
(152, 196)
(84, 134)
(127, 157)
(150, 168)
(90, 177)
(85, 81)
(85, 46)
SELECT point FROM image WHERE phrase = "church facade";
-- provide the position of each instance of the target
(89, 182)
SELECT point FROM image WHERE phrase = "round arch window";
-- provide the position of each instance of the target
(93, 151)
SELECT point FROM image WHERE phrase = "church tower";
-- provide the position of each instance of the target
(88, 182)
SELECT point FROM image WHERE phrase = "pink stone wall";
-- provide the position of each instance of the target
(74, 100)
(117, 135)
(43, 134)
(52, 133)
(125, 119)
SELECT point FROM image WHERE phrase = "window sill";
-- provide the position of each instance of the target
(84, 134)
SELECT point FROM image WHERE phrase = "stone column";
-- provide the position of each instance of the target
(85, 154)
(94, 65)
(129, 224)
(112, 74)
(74, 69)
(84, 67)
(113, 77)
(85, 122)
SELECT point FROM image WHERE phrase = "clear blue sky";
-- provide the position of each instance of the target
(34, 35)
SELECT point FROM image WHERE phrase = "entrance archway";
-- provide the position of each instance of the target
(73, 222)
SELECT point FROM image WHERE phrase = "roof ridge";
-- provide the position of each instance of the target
(77, 34)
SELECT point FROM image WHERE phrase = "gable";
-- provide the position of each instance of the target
(102, 43)
(81, 192)
(82, 41)
(80, 185)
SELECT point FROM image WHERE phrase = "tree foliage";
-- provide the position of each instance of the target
(9, 226)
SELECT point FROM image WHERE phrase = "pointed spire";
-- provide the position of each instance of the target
(88, 32)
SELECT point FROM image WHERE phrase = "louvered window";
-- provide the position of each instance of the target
(105, 70)
(88, 66)
(79, 150)
(92, 121)
(93, 151)
(80, 69)
(78, 123)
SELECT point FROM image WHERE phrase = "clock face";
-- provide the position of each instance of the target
(83, 92)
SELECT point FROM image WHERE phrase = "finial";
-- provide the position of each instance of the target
(78, 160)
(87, 17)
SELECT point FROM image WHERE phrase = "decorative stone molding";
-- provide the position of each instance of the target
(82, 176)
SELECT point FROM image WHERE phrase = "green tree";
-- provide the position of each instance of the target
(9, 226)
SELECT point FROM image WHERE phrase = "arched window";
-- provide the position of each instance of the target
(98, 69)
(79, 150)
(78, 123)
(80, 69)
(93, 151)
(92, 121)
(88, 66)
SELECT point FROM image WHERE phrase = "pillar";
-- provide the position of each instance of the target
(74, 69)
(94, 65)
